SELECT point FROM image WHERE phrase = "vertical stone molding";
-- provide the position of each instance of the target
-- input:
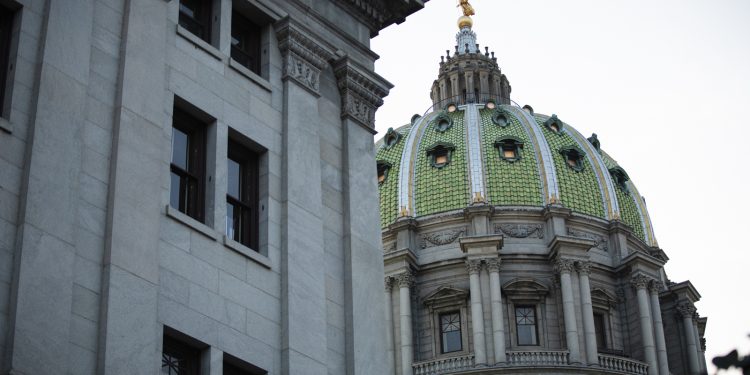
(303, 57)
(405, 281)
(654, 289)
(686, 311)
(477, 315)
(389, 349)
(496, 305)
(362, 92)
(565, 267)
(592, 353)
(640, 283)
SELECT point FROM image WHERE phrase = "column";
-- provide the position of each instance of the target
(686, 310)
(564, 267)
(477, 316)
(592, 354)
(640, 282)
(496, 304)
(407, 352)
(699, 350)
(390, 366)
(661, 346)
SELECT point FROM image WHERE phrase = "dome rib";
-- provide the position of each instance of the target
(474, 151)
(640, 204)
(408, 165)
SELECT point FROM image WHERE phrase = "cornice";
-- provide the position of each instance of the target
(471, 242)
(564, 245)
(640, 260)
(378, 14)
(685, 290)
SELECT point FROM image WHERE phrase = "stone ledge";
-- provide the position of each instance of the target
(191, 223)
(200, 43)
(6, 125)
(249, 74)
(247, 252)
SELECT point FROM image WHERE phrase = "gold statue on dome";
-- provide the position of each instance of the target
(467, 8)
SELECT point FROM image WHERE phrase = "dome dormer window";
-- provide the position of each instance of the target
(490, 105)
(391, 138)
(500, 117)
(440, 154)
(573, 157)
(554, 124)
(509, 148)
(620, 177)
(383, 168)
(443, 122)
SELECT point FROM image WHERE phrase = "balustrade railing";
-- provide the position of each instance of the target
(538, 358)
(630, 366)
(444, 365)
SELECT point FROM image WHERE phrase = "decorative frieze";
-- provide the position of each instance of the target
(473, 266)
(362, 91)
(303, 57)
(441, 238)
(600, 242)
(520, 230)
(640, 281)
(563, 265)
(405, 279)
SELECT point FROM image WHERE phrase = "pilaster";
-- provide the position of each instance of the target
(565, 268)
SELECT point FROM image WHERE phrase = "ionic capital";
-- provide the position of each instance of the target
(583, 267)
(405, 279)
(563, 265)
(493, 264)
(685, 310)
(640, 281)
(473, 266)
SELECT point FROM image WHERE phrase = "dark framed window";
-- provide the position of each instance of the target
(450, 332)
(242, 195)
(235, 366)
(440, 154)
(509, 149)
(181, 355)
(601, 331)
(573, 157)
(383, 168)
(6, 34)
(188, 164)
(246, 37)
(195, 16)
(526, 327)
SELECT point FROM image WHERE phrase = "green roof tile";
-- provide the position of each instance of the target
(389, 188)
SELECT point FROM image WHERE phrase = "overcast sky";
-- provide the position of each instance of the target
(665, 85)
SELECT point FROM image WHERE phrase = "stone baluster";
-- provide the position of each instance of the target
(661, 346)
(477, 315)
(405, 281)
(640, 283)
(564, 267)
(390, 365)
(592, 354)
(496, 304)
(686, 310)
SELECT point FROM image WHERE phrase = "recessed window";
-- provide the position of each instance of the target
(450, 332)
(500, 118)
(242, 195)
(188, 164)
(601, 331)
(554, 124)
(526, 325)
(391, 138)
(620, 177)
(246, 42)
(573, 157)
(440, 154)
(195, 16)
(181, 355)
(6, 36)
(443, 122)
(235, 366)
(509, 148)
(383, 169)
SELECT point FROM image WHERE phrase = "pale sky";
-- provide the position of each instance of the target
(666, 87)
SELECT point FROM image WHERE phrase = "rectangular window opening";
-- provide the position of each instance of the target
(181, 354)
(242, 195)
(235, 366)
(246, 41)
(187, 178)
(7, 17)
(195, 16)
(526, 327)
(450, 332)
(601, 331)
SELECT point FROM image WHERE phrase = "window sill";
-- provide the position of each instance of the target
(249, 74)
(200, 43)
(192, 223)
(247, 252)
(6, 125)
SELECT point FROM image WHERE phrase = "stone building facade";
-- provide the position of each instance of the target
(515, 245)
(186, 186)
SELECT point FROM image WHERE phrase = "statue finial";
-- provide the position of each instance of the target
(467, 8)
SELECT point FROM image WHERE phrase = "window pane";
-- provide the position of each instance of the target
(230, 221)
(174, 191)
(526, 325)
(450, 330)
(526, 335)
(451, 341)
(233, 178)
(179, 149)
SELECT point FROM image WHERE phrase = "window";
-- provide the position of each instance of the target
(188, 164)
(526, 325)
(573, 157)
(500, 118)
(6, 36)
(235, 366)
(509, 148)
(601, 331)
(242, 195)
(443, 121)
(181, 355)
(383, 169)
(447, 309)
(439, 154)
(195, 16)
(620, 178)
(450, 332)
(391, 138)
(246, 42)
(554, 124)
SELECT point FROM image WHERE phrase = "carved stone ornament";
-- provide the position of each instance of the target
(405, 279)
(388, 283)
(473, 266)
(640, 281)
(493, 264)
(362, 91)
(390, 248)
(583, 268)
(685, 309)
(655, 287)
(600, 242)
(520, 230)
(441, 238)
(563, 265)
(303, 57)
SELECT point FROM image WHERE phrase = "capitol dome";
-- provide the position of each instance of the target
(512, 243)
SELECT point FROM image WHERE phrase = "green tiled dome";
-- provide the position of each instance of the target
(477, 173)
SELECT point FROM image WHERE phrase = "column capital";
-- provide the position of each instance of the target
(388, 283)
(685, 310)
(493, 264)
(583, 267)
(564, 265)
(405, 279)
(473, 266)
(640, 281)
(362, 91)
(655, 287)
(303, 56)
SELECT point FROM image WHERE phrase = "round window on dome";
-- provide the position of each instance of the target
(452, 108)
(500, 118)
(490, 105)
